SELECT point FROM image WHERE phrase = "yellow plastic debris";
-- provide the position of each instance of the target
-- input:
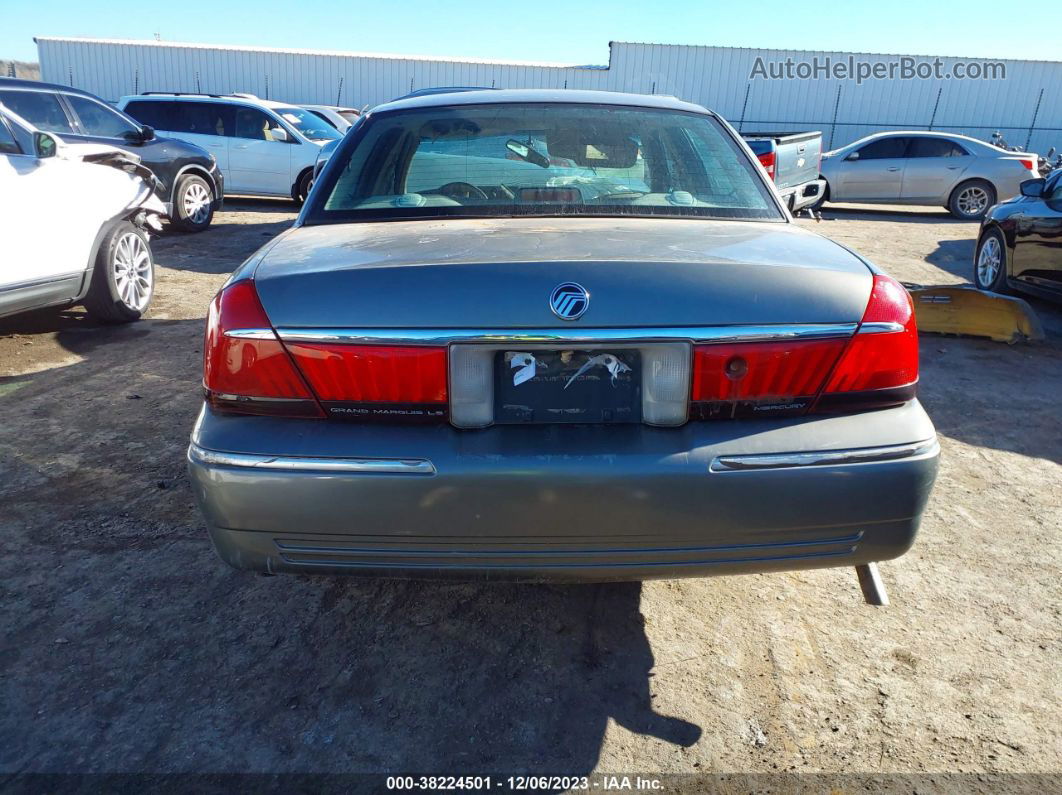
(965, 310)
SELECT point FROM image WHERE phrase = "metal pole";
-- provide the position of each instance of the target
(1032, 126)
(936, 104)
(871, 584)
(744, 105)
(339, 91)
(833, 124)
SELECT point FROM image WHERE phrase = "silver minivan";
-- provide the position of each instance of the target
(263, 148)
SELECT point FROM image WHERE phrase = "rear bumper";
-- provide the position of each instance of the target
(563, 502)
(804, 195)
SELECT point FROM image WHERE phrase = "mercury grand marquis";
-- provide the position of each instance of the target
(556, 335)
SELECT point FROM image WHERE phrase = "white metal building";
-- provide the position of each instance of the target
(1026, 106)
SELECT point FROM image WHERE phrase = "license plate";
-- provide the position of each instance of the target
(555, 386)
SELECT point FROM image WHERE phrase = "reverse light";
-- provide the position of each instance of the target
(245, 367)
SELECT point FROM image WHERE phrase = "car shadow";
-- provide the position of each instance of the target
(955, 256)
(129, 646)
(890, 213)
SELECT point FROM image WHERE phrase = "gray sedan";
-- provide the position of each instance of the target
(556, 335)
(961, 174)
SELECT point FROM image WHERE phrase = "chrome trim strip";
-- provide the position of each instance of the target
(864, 455)
(361, 466)
(880, 328)
(251, 333)
(695, 334)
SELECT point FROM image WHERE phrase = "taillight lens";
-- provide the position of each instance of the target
(767, 161)
(877, 366)
(880, 365)
(375, 381)
(245, 367)
(760, 378)
(1027, 164)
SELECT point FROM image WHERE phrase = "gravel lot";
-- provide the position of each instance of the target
(128, 646)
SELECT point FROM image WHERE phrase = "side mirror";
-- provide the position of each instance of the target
(853, 156)
(279, 134)
(147, 133)
(1033, 188)
(44, 145)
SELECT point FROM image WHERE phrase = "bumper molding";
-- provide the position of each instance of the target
(362, 466)
(865, 455)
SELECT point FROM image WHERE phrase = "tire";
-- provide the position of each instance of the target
(971, 199)
(302, 187)
(990, 262)
(193, 204)
(123, 278)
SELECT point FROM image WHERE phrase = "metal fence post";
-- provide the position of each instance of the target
(1032, 126)
(833, 124)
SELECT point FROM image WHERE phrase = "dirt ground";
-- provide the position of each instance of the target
(127, 646)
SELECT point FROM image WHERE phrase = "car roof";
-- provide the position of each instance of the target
(248, 99)
(37, 85)
(921, 134)
(543, 95)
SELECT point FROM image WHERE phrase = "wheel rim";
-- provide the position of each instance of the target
(973, 200)
(989, 262)
(133, 274)
(196, 203)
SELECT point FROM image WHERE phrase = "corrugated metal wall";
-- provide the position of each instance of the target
(1026, 106)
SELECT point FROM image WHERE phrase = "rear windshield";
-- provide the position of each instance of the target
(314, 128)
(541, 159)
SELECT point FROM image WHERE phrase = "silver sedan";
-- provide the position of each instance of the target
(961, 174)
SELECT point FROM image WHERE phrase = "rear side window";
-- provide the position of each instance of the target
(202, 118)
(883, 148)
(97, 119)
(253, 124)
(40, 108)
(154, 114)
(934, 147)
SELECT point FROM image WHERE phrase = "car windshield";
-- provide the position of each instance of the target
(314, 128)
(541, 159)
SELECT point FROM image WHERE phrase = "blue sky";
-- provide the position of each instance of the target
(569, 32)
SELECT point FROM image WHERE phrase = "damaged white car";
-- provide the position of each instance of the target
(74, 225)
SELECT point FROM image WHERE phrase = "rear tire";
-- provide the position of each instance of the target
(193, 204)
(990, 262)
(302, 187)
(123, 278)
(971, 199)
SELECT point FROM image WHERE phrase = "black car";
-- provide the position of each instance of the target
(1020, 246)
(191, 185)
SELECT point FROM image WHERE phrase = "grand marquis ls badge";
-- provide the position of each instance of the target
(569, 301)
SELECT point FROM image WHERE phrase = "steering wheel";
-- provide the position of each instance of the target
(462, 190)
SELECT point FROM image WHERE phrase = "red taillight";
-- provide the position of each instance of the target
(1027, 164)
(880, 364)
(767, 161)
(756, 377)
(877, 366)
(372, 373)
(245, 367)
